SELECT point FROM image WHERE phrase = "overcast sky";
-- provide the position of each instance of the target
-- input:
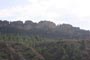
(75, 12)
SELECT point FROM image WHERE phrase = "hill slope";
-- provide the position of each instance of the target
(17, 51)
(50, 50)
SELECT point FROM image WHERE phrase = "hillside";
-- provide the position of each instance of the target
(17, 51)
(43, 41)
(45, 50)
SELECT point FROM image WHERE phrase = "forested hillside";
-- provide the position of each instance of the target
(43, 41)
(35, 48)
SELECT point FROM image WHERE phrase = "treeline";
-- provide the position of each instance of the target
(44, 29)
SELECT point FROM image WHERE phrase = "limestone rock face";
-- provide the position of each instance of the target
(43, 28)
(17, 24)
(46, 25)
(28, 25)
(4, 23)
(42, 25)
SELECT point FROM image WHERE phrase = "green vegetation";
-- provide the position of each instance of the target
(43, 41)
(49, 49)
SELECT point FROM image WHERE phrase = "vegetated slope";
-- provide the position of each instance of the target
(46, 50)
(17, 51)
(43, 41)
(45, 29)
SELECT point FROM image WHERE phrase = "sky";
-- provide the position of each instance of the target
(74, 12)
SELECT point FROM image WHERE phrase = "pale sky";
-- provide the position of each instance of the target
(74, 12)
